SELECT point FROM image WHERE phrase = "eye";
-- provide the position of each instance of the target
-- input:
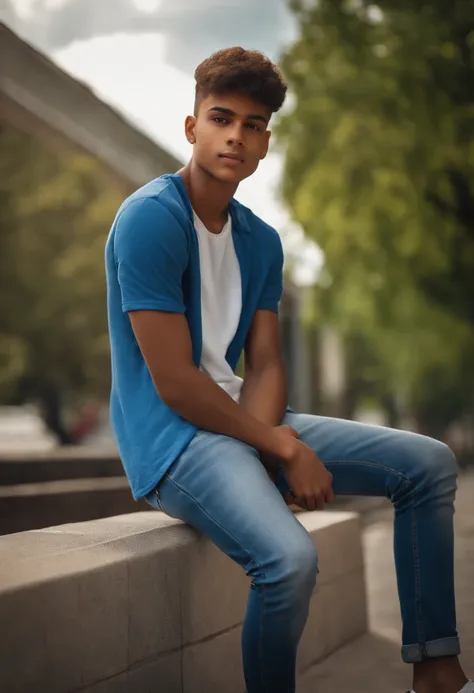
(220, 120)
(253, 126)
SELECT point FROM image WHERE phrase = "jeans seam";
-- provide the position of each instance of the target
(158, 502)
(157, 496)
(157, 491)
(260, 641)
(367, 463)
(417, 577)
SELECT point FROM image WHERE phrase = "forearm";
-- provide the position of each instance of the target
(198, 399)
(265, 393)
(265, 396)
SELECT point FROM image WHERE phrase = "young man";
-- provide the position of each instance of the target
(194, 278)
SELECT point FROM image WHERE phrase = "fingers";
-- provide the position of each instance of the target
(304, 502)
(320, 501)
(311, 501)
(316, 500)
(330, 495)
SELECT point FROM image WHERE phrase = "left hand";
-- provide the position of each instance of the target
(272, 464)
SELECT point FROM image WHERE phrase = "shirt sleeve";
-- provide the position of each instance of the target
(151, 255)
(273, 287)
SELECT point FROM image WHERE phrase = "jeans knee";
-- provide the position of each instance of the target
(436, 464)
(299, 566)
(448, 460)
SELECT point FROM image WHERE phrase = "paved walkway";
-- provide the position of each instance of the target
(372, 664)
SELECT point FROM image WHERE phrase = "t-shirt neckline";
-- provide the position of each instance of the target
(222, 233)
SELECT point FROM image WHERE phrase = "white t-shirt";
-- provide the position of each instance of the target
(221, 303)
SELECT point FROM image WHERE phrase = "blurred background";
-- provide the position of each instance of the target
(370, 181)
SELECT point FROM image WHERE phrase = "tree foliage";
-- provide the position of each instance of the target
(55, 212)
(380, 172)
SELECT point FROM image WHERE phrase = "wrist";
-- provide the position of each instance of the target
(283, 446)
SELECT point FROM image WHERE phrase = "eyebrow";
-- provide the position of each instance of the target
(228, 111)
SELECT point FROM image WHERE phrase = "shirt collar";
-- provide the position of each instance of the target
(239, 220)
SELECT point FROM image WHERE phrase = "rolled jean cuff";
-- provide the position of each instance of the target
(445, 647)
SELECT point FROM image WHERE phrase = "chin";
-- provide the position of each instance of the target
(230, 177)
(233, 176)
(226, 176)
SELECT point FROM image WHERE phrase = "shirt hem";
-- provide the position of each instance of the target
(269, 306)
(145, 490)
(152, 305)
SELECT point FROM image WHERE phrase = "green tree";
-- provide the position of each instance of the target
(379, 171)
(55, 213)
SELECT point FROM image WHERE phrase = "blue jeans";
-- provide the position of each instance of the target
(219, 486)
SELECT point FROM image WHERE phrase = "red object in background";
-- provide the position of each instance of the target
(88, 421)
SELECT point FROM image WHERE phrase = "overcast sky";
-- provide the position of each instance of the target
(139, 55)
(192, 28)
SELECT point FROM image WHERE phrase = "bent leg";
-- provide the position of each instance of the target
(220, 487)
(419, 475)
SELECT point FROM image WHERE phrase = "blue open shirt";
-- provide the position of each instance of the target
(152, 263)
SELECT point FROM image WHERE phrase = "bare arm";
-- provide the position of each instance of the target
(264, 392)
(265, 396)
(165, 343)
(166, 346)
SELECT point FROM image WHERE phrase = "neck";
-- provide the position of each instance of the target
(209, 197)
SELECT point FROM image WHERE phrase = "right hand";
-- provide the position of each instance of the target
(308, 478)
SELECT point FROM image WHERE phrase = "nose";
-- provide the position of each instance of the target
(235, 135)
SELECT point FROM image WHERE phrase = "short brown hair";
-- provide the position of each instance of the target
(239, 70)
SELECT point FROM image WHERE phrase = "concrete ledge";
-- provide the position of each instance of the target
(142, 602)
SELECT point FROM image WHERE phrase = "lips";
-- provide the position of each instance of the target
(230, 156)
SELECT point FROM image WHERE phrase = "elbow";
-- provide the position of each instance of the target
(170, 394)
(171, 391)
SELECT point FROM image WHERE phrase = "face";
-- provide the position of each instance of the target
(229, 135)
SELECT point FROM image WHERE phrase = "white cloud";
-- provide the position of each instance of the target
(129, 73)
(147, 5)
(23, 8)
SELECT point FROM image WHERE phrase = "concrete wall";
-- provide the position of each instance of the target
(33, 506)
(41, 489)
(143, 603)
(31, 467)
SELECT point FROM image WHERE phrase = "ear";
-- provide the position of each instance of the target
(189, 129)
(267, 144)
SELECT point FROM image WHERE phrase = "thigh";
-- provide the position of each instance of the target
(371, 460)
(220, 487)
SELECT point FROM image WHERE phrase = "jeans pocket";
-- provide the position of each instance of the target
(157, 492)
(158, 498)
(157, 502)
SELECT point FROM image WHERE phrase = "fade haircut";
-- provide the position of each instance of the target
(238, 70)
